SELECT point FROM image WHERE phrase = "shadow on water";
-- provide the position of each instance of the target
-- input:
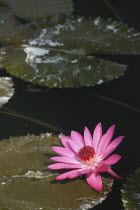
(72, 109)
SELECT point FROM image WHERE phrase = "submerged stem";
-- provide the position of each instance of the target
(114, 101)
(111, 7)
(12, 113)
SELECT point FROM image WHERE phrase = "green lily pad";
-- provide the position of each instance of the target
(6, 90)
(131, 191)
(37, 9)
(59, 69)
(58, 55)
(90, 36)
(26, 183)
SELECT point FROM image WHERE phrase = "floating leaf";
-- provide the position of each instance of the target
(26, 183)
(37, 9)
(58, 69)
(90, 36)
(59, 54)
(6, 90)
(131, 191)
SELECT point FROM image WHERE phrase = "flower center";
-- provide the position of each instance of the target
(87, 155)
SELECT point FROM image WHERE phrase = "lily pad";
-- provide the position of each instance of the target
(90, 36)
(131, 191)
(59, 69)
(6, 90)
(58, 55)
(25, 183)
(37, 9)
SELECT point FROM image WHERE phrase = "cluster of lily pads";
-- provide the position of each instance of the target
(42, 43)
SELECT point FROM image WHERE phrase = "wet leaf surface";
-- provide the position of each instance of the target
(25, 183)
(90, 36)
(59, 69)
(131, 191)
(57, 56)
(6, 90)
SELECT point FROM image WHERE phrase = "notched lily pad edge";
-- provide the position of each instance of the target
(36, 87)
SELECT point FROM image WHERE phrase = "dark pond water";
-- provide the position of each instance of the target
(116, 102)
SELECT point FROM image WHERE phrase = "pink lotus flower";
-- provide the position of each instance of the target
(87, 155)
